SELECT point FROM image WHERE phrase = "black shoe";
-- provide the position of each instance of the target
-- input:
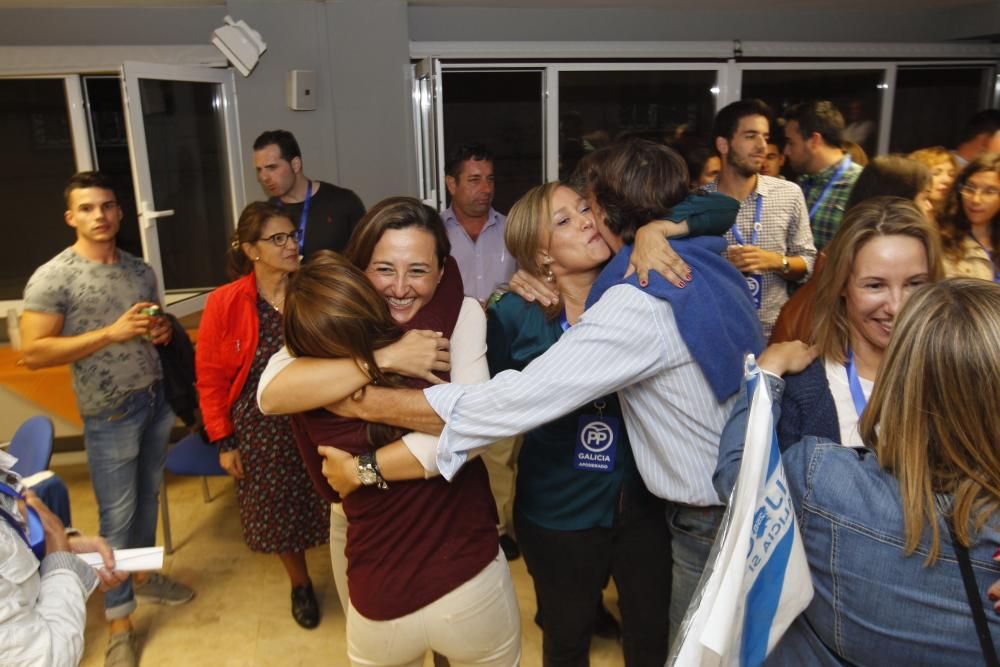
(606, 625)
(305, 609)
(509, 546)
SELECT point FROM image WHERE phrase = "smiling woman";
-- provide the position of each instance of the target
(884, 249)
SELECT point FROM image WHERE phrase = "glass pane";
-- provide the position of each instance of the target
(933, 104)
(186, 142)
(504, 111)
(110, 144)
(35, 134)
(673, 107)
(857, 93)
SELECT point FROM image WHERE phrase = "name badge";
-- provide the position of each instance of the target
(596, 443)
(755, 283)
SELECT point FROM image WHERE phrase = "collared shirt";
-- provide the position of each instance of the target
(785, 230)
(629, 343)
(831, 210)
(485, 262)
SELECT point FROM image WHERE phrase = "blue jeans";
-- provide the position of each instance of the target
(692, 533)
(126, 447)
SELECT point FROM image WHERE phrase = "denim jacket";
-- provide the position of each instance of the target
(873, 604)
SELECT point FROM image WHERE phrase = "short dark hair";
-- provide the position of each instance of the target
(88, 179)
(729, 117)
(986, 121)
(821, 117)
(283, 139)
(634, 181)
(459, 154)
(889, 176)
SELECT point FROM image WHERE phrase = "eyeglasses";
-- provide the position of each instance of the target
(985, 193)
(281, 239)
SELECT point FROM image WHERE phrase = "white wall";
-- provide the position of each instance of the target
(872, 24)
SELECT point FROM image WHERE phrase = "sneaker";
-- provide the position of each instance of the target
(121, 651)
(163, 590)
(305, 609)
(510, 549)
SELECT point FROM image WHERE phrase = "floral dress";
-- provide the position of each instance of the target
(279, 508)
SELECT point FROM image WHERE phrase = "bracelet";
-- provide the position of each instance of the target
(366, 369)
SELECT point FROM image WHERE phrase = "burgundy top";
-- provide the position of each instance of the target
(418, 540)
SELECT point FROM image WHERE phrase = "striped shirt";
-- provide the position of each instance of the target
(827, 218)
(784, 229)
(629, 343)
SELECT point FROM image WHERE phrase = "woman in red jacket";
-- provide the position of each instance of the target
(240, 329)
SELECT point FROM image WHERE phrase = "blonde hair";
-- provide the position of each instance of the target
(932, 157)
(879, 216)
(932, 418)
(526, 230)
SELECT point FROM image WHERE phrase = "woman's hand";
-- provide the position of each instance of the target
(340, 470)
(531, 288)
(652, 252)
(417, 355)
(232, 463)
(791, 357)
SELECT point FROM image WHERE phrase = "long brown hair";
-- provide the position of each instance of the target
(332, 311)
(395, 213)
(932, 418)
(879, 216)
(955, 226)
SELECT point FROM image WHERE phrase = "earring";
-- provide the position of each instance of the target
(257, 258)
(549, 276)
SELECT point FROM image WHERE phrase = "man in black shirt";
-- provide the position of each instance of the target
(325, 214)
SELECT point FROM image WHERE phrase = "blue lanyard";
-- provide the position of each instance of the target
(563, 322)
(844, 164)
(989, 256)
(755, 234)
(854, 382)
(304, 217)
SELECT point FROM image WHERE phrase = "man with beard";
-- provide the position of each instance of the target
(324, 214)
(771, 243)
(814, 139)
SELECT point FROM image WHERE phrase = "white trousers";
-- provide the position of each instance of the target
(478, 623)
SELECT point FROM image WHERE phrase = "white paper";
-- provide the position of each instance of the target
(128, 560)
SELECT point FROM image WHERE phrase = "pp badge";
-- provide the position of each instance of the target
(755, 283)
(596, 443)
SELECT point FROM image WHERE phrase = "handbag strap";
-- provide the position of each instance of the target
(975, 604)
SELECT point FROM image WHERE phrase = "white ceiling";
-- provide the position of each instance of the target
(766, 5)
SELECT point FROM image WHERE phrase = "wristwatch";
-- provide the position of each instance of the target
(368, 472)
(786, 268)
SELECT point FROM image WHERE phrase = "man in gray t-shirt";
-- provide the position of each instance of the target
(85, 307)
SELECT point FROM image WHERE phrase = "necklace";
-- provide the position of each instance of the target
(274, 303)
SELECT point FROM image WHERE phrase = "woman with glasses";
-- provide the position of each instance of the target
(240, 329)
(970, 229)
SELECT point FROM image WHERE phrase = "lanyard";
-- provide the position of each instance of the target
(844, 164)
(304, 217)
(989, 256)
(854, 382)
(755, 234)
(563, 322)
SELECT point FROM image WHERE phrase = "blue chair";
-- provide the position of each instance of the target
(193, 457)
(32, 445)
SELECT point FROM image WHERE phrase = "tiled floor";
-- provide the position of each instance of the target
(240, 616)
